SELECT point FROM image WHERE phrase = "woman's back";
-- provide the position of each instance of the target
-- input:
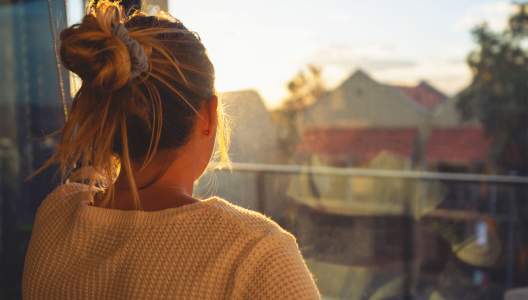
(205, 250)
(142, 129)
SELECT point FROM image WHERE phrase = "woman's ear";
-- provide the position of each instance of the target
(210, 116)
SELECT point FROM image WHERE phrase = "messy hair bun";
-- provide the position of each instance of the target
(159, 107)
(94, 53)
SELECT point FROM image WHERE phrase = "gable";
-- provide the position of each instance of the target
(361, 100)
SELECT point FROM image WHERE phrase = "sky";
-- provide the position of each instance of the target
(262, 44)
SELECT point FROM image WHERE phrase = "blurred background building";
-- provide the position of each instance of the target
(393, 190)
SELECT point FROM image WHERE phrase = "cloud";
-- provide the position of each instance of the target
(449, 75)
(373, 58)
(388, 64)
(495, 14)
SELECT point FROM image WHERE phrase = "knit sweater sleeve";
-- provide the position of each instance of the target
(275, 269)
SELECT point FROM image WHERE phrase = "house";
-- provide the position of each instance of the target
(424, 94)
(447, 115)
(384, 129)
(362, 101)
(357, 146)
(253, 140)
(465, 147)
(253, 133)
(361, 118)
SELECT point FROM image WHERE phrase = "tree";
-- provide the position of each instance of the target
(303, 90)
(498, 93)
(498, 97)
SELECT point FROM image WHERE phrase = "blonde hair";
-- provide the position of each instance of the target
(159, 106)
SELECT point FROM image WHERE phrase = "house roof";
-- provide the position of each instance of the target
(361, 99)
(460, 144)
(361, 143)
(423, 94)
(455, 145)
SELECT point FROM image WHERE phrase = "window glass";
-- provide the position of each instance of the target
(388, 136)
(31, 109)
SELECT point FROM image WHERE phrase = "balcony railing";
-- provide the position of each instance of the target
(418, 228)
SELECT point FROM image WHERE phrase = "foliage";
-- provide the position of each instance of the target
(303, 90)
(498, 93)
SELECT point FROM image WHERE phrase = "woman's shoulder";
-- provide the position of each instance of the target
(250, 221)
(63, 194)
(67, 190)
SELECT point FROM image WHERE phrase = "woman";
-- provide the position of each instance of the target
(141, 131)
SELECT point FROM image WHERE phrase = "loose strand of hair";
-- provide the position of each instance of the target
(157, 121)
(172, 60)
(223, 132)
(126, 162)
(175, 91)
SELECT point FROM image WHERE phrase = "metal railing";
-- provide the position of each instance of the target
(492, 181)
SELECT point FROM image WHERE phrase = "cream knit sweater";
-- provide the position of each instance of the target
(206, 250)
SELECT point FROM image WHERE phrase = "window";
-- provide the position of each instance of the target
(30, 109)
(389, 138)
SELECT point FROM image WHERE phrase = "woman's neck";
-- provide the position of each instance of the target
(164, 183)
(153, 198)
